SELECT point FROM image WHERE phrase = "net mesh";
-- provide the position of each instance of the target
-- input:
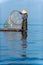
(16, 20)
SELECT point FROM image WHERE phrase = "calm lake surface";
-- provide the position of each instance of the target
(22, 47)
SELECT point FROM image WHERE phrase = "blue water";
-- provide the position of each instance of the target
(14, 48)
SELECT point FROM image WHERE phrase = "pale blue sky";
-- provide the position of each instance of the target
(34, 8)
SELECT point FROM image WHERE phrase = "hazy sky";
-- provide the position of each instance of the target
(34, 8)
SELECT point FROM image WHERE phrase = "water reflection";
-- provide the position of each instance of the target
(16, 44)
(24, 45)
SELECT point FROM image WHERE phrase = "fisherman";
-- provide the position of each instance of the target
(24, 23)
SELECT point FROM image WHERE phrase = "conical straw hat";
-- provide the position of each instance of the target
(24, 12)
